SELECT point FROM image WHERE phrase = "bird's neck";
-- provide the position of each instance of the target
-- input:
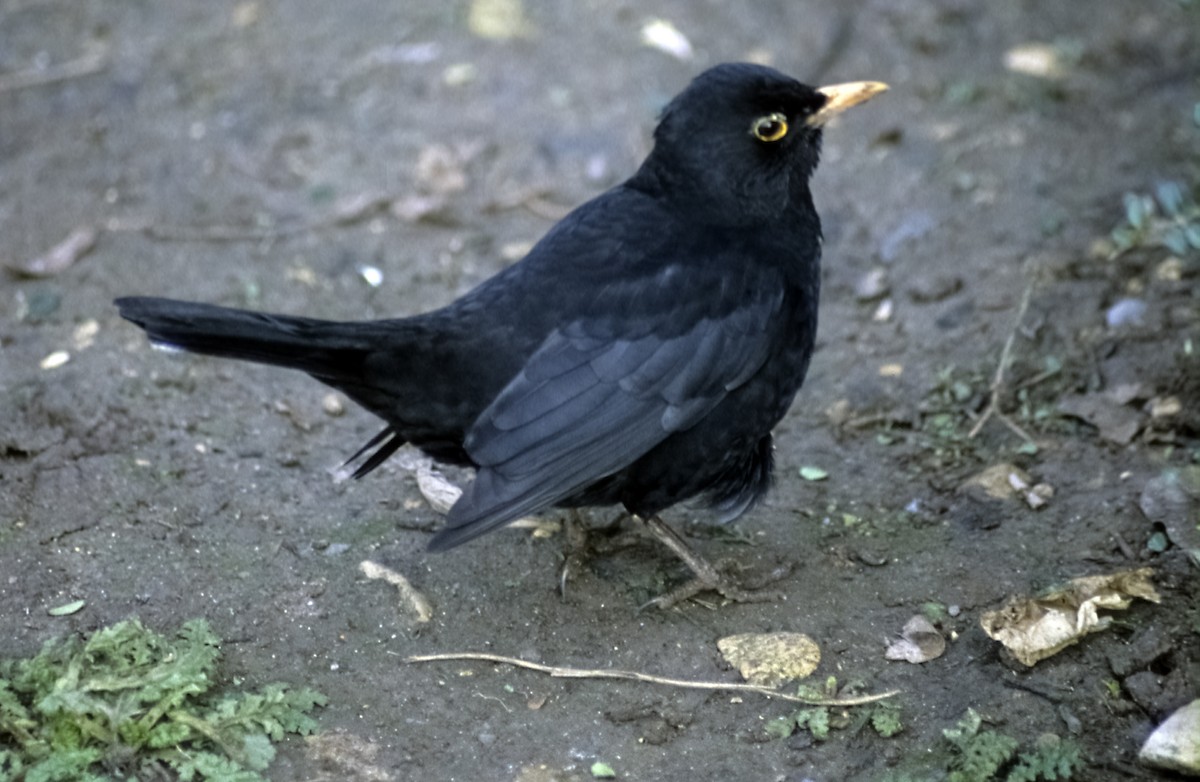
(718, 203)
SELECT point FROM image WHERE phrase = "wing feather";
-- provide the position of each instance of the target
(585, 407)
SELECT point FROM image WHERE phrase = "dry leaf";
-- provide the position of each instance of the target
(1116, 422)
(498, 20)
(1000, 481)
(440, 493)
(1039, 627)
(769, 659)
(919, 642)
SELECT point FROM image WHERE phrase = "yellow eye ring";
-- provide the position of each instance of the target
(770, 128)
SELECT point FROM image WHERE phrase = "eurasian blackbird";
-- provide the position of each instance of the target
(639, 355)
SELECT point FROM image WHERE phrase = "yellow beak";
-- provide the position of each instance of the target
(840, 97)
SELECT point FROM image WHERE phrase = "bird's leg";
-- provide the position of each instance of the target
(705, 575)
(580, 542)
(575, 549)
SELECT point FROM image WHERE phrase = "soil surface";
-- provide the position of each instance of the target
(286, 156)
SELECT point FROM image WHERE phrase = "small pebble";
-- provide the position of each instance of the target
(371, 275)
(1126, 312)
(458, 74)
(664, 36)
(332, 404)
(872, 285)
(55, 359)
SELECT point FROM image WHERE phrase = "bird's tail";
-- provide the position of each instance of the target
(334, 353)
(330, 351)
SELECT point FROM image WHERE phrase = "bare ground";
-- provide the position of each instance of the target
(219, 150)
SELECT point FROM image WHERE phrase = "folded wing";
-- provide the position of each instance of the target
(587, 406)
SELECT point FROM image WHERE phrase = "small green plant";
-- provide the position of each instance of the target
(1051, 758)
(128, 701)
(885, 719)
(1169, 219)
(979, 754)
(883, 716)
(983, 755)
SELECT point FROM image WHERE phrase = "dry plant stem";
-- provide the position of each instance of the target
(993, 406)
(608, 673)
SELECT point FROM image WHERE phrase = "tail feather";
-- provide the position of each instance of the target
(334, 353)
(325, 349)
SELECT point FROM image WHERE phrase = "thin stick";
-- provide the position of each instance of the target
(605, 673)
(993, 406)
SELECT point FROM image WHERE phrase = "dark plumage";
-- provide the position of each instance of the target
(638, 356)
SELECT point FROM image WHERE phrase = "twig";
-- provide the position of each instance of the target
(607, 673)
(71, 69)
(997, 386)
(416, 602)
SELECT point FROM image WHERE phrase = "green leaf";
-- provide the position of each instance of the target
(1175, 239)
(603, 771)
(1052, 758)
(259, 752)
(810, 473)
(1170, 197)
(1138, 209)
(885, 719)
(781, 727)
(66, 609)
(1192, 232)
(816, 720)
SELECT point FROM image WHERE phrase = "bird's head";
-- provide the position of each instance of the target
(742, 140)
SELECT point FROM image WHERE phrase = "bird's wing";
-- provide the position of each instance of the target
(595, 397)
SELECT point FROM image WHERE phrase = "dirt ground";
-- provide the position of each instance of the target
(264, 154)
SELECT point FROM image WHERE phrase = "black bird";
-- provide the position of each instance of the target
(639, 355)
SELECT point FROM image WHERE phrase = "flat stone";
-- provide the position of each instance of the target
(1147, 646)
(1175, 745)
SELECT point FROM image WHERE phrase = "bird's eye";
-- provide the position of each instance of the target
(770, 128)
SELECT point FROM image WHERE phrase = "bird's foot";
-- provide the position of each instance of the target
(575, 550)
(719, 580)
(706, 576)
(580, 543)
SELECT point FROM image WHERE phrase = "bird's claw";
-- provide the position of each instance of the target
(715, 580)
